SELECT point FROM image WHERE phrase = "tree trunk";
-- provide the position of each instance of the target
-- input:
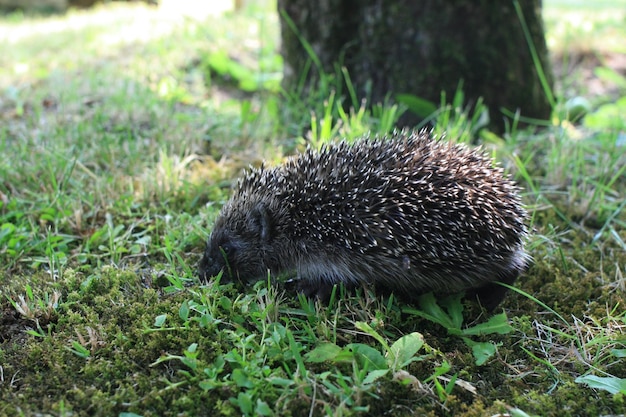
(423, 48)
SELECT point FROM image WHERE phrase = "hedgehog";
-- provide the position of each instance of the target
(407, 212)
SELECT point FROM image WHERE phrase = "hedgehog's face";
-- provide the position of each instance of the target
(238, 246)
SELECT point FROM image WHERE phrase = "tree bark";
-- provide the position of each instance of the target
(422, 48)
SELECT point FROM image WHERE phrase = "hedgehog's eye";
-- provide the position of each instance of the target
(226, 250)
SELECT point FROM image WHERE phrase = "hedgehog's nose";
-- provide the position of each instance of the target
(208, 268)
(207, 273)
(204, 268)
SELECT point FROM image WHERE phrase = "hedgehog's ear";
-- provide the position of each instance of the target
(261, 222)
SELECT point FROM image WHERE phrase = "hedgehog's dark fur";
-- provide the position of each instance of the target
(407, 212)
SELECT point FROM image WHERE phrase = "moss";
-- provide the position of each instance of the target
(107, 314)
(567, 399)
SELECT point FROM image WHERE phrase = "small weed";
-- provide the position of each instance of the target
(456, 121)
(228, 70)
(611, 384)
(452, 320)
(334, 122)
(37, 308)
(369, 363)
(244, 367)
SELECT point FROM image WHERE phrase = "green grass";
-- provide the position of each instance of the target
(117, 150)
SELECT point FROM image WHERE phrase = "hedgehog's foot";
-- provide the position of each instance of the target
(492, 294)
(315, 289)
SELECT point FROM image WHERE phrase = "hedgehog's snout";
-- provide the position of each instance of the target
(212, 263)
(208, 267)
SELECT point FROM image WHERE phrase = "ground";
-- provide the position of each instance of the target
(122, 130)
